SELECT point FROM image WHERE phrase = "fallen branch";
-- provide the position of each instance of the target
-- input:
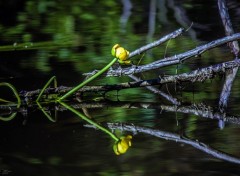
(150, 46)
(179, 58)
(198, 75)
(230, 76)
(147, 47)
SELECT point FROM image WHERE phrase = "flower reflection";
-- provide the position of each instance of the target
(122, 145)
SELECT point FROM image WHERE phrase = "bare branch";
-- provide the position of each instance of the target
(223, 10)
(148, 47)
(230, 76)
(173, 59)
(156, 43)
(198, 75)
(159, 92)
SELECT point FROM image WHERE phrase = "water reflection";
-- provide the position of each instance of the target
(81, 138)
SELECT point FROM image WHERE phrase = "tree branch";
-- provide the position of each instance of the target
(179, 58)
(230, 76)
(198, 75)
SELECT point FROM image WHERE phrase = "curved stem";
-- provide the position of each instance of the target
(18, 101)
(14, 91)
(87, 81)
(45, 87)
(45, 113)
(89, 120)
(8, 118)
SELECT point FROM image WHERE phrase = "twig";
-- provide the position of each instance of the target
(157, 43)
(159, 92)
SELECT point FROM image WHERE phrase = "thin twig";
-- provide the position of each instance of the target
(159, 92)
(156, 43)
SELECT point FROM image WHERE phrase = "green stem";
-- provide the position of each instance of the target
(69, 93)
(45, 87)
(18, 101)
(14, 91)
(8, 118)
(45, 113)
(89, 120)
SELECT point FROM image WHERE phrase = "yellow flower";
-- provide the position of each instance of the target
(121, 146)
(119, 52)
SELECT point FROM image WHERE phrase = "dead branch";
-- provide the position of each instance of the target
(179, 58)
(159, 92)
(198, 75)
(230, 76)
(223, 10)
(156, 43)
(148, 47)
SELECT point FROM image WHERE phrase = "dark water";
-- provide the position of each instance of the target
(65, 39)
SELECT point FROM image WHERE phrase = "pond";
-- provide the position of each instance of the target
(41, 39)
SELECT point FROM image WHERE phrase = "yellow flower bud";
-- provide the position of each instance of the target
(119, 52)
(122, 54)
(121, 146)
